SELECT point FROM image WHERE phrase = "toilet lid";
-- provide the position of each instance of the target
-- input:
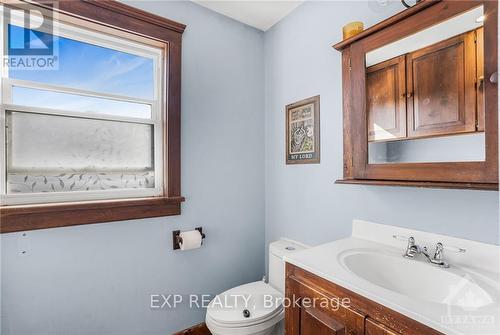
(246, 305)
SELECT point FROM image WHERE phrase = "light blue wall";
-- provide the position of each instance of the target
(302, 201)
(97, 279)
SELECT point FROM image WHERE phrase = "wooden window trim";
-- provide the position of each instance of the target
(471, 175)
(119, 16)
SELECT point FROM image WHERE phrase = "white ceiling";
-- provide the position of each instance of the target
(261, 14)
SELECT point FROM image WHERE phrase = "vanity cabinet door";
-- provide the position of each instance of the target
(313, 312)
(315, 322)
(441, 88)
(386, 99)
(375, 328)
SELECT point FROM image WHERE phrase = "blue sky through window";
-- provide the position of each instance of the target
(89, 67)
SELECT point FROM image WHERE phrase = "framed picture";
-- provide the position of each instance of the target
(302, 132)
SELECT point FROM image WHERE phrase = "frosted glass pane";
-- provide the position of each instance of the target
(79, 103)
(47, 153)
(30, 182)
(90, 67)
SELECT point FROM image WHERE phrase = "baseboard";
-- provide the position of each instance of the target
(199, 329)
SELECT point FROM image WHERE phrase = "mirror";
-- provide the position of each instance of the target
(424, 94)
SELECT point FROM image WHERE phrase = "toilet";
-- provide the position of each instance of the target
(254, 308)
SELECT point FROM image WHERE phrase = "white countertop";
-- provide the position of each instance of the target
(326, 261)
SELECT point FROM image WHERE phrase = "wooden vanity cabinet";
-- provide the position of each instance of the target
(441, 88)
(386, 99)
(316, 306)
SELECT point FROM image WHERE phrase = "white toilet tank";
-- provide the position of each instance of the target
(277, 250)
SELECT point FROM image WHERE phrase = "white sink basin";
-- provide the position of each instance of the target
(416, 279)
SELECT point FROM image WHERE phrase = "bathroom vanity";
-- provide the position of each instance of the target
(358, 316)
(364, 285)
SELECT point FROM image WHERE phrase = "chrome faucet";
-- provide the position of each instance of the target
(412, 249)
(437, 259)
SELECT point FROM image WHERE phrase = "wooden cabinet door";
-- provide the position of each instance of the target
(441, 85)
(386, 99)
(480, 78)
(308, 315)
(315, 322)
(374, 328)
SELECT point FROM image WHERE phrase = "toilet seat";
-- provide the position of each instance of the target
(225, 313)
(263, 328)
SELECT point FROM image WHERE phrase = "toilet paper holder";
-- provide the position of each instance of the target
(177, 240)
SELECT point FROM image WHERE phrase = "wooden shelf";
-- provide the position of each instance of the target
(425, 184)
(386, 23)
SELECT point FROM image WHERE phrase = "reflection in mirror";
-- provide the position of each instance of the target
(464, 148)
(425, 100)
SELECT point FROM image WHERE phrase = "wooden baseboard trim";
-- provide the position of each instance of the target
(199, 329)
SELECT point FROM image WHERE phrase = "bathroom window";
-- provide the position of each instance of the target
(87, 123)
(90, 129)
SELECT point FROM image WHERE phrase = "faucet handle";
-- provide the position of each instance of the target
(401, 237)
(411, 248)
(410, 240)
(451, 248)
(438, 255)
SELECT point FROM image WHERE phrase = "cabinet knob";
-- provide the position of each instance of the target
(409, 95)
(494, 78)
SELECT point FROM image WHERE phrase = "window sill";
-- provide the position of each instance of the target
(31, 217)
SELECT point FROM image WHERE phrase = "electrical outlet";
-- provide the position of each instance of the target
(24, 244)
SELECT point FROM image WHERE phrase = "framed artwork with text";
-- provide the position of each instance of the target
(302, 132)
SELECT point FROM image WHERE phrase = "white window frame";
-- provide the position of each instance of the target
(116, 42)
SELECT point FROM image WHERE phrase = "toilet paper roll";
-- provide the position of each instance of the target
(190, 240)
